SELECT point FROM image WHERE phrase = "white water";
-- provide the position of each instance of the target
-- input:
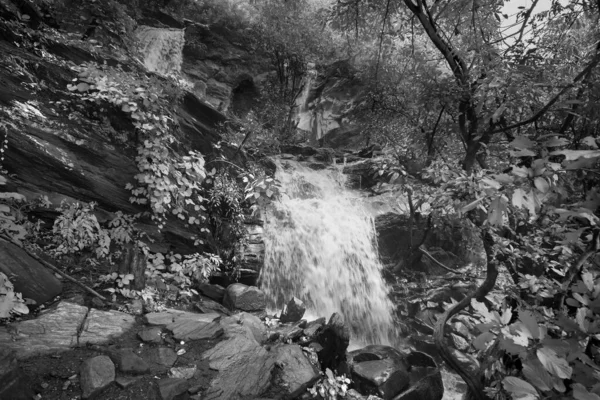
(320, 247)
(161, 49)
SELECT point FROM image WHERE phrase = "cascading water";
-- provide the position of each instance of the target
(320, 247)
(161, 49)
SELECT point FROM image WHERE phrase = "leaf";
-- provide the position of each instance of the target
(557, 366)
(491, 183)
(481, 341)
(519, 389)
(581, 393)
(581, 321)
(530, 323)
(588, 280)
(269, 192)
(522, 142)
(590, 141)
(541, 184)
(482, 310)
(536, 374)
(571, 155)
(555, 142)
(496, 211)
(83, 87)
(520, 171)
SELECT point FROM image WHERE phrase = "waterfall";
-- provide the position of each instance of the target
(161, 48)
(320, 247)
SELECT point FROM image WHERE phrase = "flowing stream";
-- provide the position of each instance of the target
(320, 247)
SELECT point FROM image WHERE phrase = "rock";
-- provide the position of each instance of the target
(245, 298)
(183, 372)
(334, 338)
(244, 368)
(195, 329)
(293, 373)
(28, 276)
(128, 362)
(8, 360)
(425, 379)
(379, 370)
(209, 306)
(96, 374)
(174, 318)
(15, 384)
(215, 292)
(245, 323)
(136, 307)
(171, 387)
(163, 356)
(151, 335)
(294, 311)
(102, 326)
(54, 329)
(454, 242)
(125, 381)
(313, 327)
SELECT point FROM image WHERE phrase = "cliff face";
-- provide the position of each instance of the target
(69, 150)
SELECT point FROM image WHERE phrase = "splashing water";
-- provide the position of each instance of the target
(161, 49)
(320, 247)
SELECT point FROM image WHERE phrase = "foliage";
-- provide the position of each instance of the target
(181, 270)
(330, 387)
(10, 218)
(11, 303)
(169, 183)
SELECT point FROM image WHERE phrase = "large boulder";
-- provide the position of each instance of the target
(452, 241)
(95, 375)
(333, 339)
(294, 311)
(245, 298)
(29, 277)
(392, 374)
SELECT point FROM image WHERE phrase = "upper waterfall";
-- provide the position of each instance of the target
(161, 48)
(320, 247)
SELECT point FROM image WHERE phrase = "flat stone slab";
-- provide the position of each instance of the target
(171, 316)
(195, 330)
(55, 329)
(101, 326)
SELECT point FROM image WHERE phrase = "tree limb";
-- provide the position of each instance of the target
(58, 271)
(473, 381)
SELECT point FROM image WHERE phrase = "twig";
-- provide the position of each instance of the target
(58, 271)
(439, 264)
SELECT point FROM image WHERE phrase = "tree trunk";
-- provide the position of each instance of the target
(134, 262)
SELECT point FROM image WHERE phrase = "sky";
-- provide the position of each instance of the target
(511, 8)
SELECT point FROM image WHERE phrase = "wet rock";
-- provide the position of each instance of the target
(425, 379)
(29, 277)
(151, 335)
(293, 373)
(335, 338)
(171, 387)
(164, 356)
(102, 326)
(209, 306)
(125, 381)
(15, 383)
(128, 362)
(180, 320)
(195, 329)
(183, 372)
(244, 368)
(379, 370)
(294, 311)
(54, 329)
(215, 292)
(313, 327)
(245, 298)
(245, 323)
(96, 374)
